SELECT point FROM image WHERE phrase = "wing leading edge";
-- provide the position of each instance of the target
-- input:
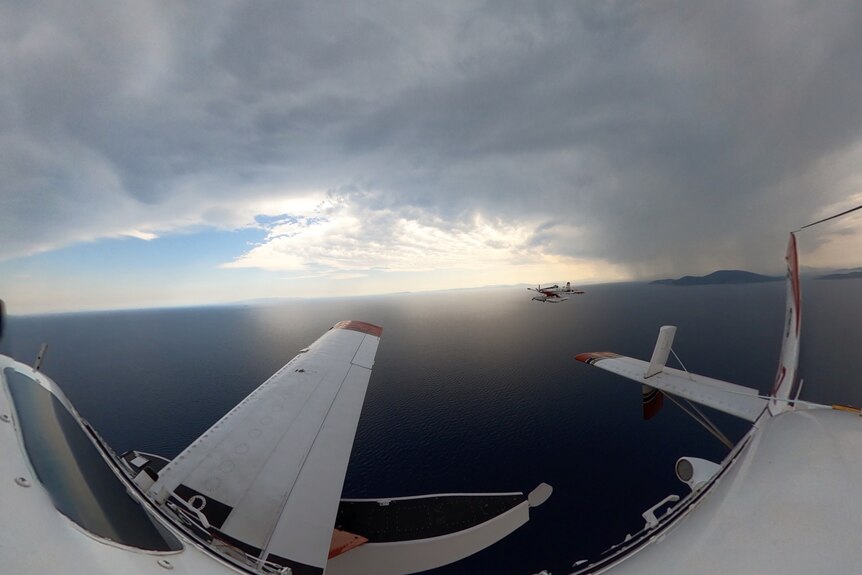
(267, 477)
(786, 386)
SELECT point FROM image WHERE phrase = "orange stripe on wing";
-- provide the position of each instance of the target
(594, 356)
(360, 326)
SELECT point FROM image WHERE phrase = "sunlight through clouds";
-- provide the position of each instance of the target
(350, 237)
(146, 236)
(836, 244)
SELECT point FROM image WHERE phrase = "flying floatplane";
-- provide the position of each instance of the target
(257, 493)
(554, 293)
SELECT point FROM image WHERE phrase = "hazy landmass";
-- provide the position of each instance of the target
(842, 276)
(720, 277)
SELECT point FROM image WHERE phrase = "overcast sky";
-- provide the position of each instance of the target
(167, 153)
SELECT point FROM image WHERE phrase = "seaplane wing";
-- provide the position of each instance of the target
(267, 477)
(737, 400)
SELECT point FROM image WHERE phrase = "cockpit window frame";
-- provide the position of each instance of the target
(72, 468)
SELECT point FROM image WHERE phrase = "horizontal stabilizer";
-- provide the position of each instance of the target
(727, 397)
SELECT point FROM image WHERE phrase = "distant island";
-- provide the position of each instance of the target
(842, 276)
(721, 277)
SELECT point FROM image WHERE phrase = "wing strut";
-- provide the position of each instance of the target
(653, 399)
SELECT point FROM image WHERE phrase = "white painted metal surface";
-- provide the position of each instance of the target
(540, 494)
(661, 350)
(278, 460)
(785, 385)
(790, 504)
(727, 397)
(695, 472)
(36, 538)
(422, 554)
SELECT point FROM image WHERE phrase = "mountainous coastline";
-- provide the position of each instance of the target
(842, 276)
(720, 277)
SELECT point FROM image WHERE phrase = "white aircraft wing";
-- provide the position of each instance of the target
(730, 398)
(268, 475)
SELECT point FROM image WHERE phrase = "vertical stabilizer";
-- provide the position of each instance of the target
(786, 379)
(661, 351)
(653, 399)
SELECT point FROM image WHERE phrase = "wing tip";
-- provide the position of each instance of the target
(360, 326)
(592, 357)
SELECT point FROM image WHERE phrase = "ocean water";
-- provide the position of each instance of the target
(473, 390)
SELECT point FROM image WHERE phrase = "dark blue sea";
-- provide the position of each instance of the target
(474, 390)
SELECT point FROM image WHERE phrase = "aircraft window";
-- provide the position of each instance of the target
(70, 467)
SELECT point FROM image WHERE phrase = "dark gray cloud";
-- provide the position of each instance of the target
(664, 136)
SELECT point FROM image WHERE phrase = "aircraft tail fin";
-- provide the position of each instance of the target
(653, 399)
(661, 350)
(785, 388)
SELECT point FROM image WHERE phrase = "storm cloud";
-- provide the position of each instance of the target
(663, 137)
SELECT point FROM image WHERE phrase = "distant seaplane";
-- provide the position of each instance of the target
(554, 293)
(258, 493)
(786, 499)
